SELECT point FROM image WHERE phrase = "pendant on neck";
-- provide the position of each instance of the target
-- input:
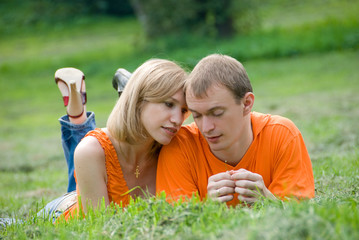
(137, 172)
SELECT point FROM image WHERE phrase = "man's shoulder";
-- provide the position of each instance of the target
(273, 122)
(184, 147)
(188, 136)
(283, 122)
(188, 131)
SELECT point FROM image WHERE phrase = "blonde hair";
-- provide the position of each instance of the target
(221, 70)
(154, 81)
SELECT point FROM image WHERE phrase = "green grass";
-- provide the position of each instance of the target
(303, 64)
(156, 219)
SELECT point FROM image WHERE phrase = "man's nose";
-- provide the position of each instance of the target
(207, 124)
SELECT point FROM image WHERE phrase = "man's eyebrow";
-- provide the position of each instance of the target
(193, 111)
(209, 110)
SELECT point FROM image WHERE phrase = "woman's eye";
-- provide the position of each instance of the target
(169, 104)
(184, 110)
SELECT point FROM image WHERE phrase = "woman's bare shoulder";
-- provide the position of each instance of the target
(89, 148)
(90, 167)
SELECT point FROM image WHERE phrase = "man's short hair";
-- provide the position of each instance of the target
(221, 70)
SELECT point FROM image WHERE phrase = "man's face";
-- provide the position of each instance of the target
(219, 117)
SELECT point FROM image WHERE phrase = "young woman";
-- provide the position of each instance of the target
(119, 161)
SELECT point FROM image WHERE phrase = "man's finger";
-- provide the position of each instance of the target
(246, 184)
(225, 183)
(248, 200)
(219, 192)
(241, 175)
(220, 176)
(220, 184)
(225, 191)
(246, 192)
(225, 198)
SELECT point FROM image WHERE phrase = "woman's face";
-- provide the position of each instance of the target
(163, 120)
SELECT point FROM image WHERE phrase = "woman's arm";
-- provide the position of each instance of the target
(90, 169)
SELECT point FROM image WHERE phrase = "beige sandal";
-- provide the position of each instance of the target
(71, 83)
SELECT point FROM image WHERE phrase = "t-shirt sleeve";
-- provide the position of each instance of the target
(175, 173)
(293, 174)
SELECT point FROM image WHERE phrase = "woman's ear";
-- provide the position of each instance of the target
(248, 101)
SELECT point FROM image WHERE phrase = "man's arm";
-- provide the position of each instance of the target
(293, 173)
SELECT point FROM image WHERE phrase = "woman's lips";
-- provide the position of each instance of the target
(170, 130)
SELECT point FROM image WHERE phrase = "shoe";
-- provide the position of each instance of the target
(120, 80)
(71, 83)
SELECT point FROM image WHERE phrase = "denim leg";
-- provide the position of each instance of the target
(71, 136)
(56, 207)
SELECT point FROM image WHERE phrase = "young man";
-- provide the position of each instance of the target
(232, 154)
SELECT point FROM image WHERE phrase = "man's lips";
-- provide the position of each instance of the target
(170, 130)
(213, 139)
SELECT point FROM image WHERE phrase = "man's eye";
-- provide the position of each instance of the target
(218, 114)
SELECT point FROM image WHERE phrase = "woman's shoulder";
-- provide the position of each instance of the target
(89, 148)
(89, 161)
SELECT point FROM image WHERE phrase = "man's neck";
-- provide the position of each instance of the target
(234, 154)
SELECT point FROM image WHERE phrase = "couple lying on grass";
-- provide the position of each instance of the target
(230, 154)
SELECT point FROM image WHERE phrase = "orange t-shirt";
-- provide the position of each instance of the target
(277, 153)
(116, 184)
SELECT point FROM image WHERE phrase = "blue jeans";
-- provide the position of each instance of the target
(71, 136)
(56, 207)
(51, 211)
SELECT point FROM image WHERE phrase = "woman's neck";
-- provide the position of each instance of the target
(133, 154)
(136, 154)
(138, 164)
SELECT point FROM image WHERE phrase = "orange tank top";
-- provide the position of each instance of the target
(117, 188)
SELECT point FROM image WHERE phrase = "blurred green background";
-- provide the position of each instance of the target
(301, 56)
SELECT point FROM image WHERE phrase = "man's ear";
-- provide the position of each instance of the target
(248, 101)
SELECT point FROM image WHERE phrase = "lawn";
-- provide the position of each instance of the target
(313, 81)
